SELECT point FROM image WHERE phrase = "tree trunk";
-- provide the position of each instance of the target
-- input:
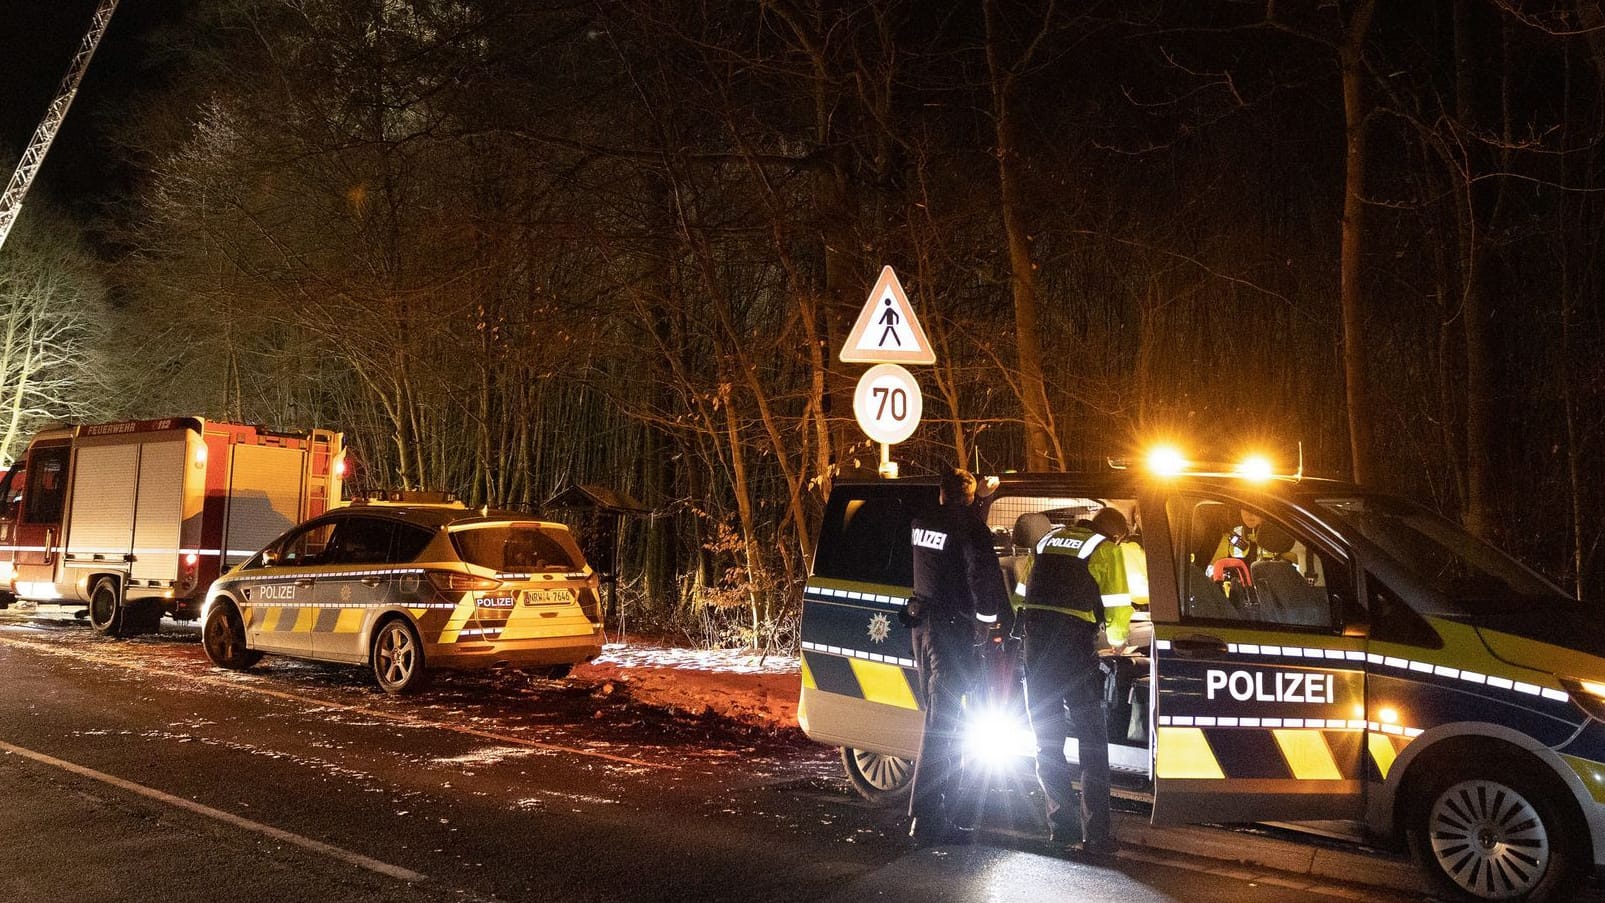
(1351, 254)
(1039, 433)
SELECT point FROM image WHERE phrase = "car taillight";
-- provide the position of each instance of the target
(452, 582)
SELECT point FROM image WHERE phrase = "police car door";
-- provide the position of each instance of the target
(353, 580)
(278, 607)
(1260, 695)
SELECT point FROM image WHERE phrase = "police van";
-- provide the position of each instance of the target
(1300, 650)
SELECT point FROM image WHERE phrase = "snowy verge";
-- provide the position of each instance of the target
(757, 690)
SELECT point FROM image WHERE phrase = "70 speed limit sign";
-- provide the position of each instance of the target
(888, 403)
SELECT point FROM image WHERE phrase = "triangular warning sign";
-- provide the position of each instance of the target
(887, 330)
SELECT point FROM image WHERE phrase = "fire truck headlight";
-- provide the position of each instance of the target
(994, 738)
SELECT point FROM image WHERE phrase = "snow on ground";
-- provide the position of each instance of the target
(760, 690)
(735, 684)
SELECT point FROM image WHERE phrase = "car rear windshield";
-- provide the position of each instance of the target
(1462, 567)
(515, 548)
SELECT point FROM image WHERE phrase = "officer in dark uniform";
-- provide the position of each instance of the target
(1073, 572)
(957, 586)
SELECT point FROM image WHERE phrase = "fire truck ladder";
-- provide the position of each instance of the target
(28, 165)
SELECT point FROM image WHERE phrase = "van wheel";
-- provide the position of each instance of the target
(106, 608)
(557, 672)
(881, 779)
(398, 658)
(1485, 838)
(223, 637)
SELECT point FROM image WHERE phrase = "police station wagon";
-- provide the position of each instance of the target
(1301, 650)
(408, 588)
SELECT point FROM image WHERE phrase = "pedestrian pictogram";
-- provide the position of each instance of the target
(887, 330)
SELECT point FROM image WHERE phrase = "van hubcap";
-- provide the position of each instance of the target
(883, 772)
(1489, 839)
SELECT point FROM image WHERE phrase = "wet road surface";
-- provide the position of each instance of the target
(132, 769)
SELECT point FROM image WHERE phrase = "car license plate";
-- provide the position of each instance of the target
(547, 596)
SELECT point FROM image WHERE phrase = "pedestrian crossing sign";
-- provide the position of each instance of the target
(887, 332)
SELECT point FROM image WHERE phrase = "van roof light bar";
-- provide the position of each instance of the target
(1166, 462)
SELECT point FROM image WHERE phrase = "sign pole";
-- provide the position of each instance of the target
(888, 467)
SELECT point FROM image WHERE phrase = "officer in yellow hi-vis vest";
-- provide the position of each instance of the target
(1074, 574)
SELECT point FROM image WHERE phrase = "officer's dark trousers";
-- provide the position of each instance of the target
(1061, 673)
(944, 652)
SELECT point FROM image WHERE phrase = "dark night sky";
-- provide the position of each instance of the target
(37, 41)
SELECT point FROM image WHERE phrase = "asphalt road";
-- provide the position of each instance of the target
(133, 770)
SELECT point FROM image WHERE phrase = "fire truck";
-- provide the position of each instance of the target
(137, 518)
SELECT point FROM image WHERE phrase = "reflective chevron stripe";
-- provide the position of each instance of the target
(886, 682)
(1301, 754)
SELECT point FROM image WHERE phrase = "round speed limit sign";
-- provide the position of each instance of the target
(888, 403)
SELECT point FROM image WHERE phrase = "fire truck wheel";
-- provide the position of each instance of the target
(106, 608)
(1487, 831)
(223, 638)
(883, 780)
(398, 658)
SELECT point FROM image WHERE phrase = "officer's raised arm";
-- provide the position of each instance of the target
(984, 575)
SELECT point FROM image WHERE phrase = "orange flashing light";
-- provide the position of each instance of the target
(1256, 469)
(1166, 461)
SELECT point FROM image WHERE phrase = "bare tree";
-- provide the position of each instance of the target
(53, 322)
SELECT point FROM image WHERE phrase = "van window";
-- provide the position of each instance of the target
(1461, 566)
(1244, 565)
(47, 484)
(1393, 621)
(865, 534)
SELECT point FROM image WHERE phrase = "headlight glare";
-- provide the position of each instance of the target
(1588, 694)
(994, 737)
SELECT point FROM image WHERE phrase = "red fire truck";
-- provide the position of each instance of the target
(137, 518)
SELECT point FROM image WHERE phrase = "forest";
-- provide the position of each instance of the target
(511, 246)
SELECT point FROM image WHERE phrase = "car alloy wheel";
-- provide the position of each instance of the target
(398, 658)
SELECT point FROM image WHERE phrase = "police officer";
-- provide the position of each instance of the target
(1074, 574)
(957, 586)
